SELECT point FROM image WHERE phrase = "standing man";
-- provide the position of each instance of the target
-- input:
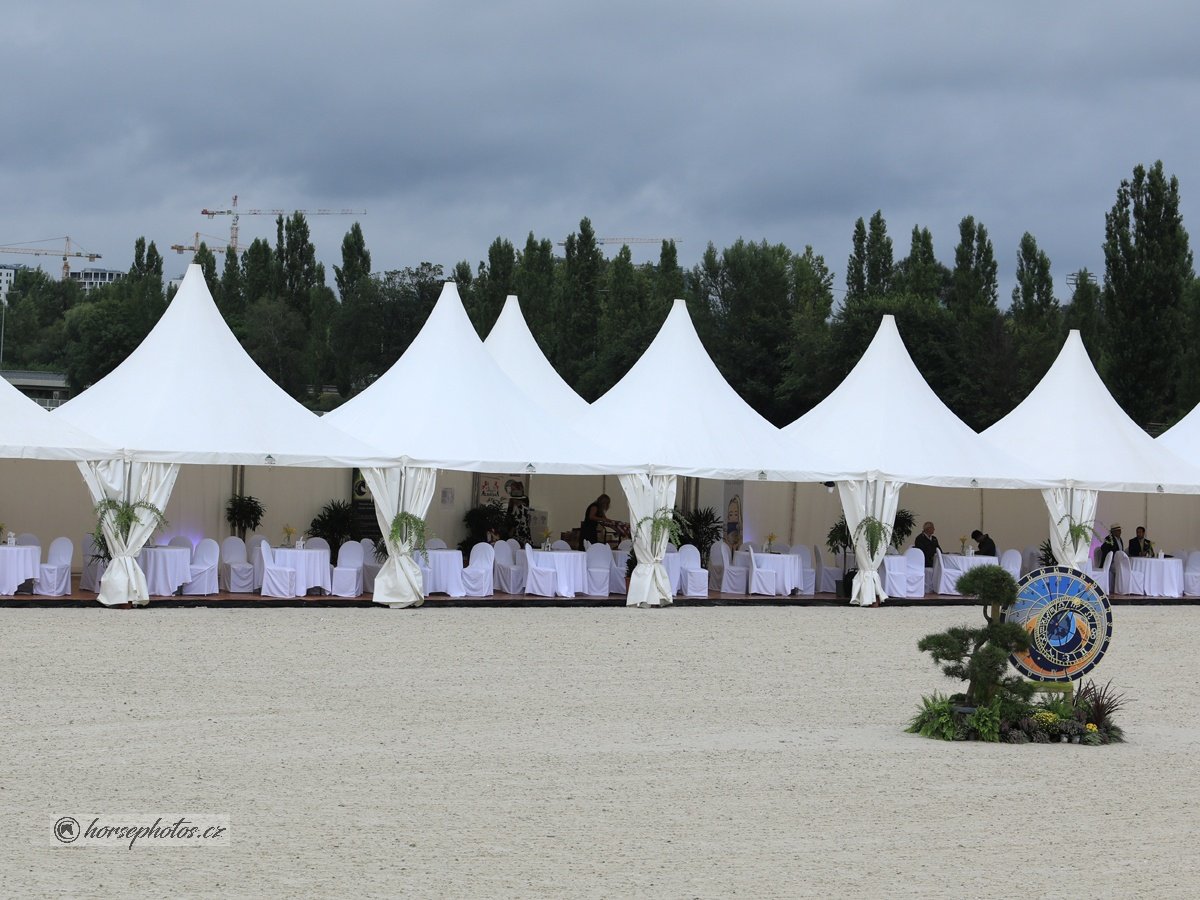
(927, 543)
(1112, 543)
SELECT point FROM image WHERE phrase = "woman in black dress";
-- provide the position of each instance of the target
(595, 520)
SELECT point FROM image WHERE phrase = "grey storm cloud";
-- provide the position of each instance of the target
(455, 123)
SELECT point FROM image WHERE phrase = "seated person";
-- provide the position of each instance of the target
(987, 547)
(1112, 543)
(1140, 545)
(927, 543)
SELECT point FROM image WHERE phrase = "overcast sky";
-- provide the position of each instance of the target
(454, 123)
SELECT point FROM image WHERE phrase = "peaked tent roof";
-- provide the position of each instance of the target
(447, 404)
(1071, 425)
(674, 412)
(885, 421)
(190, 394)
(29, 432)
(1183, 438)
(513, 346)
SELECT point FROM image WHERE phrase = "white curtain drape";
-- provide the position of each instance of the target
(859, 500)
(649, 585)
(396, 490)
(114, 479)
(1067, 505)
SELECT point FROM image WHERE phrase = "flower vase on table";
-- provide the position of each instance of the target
(962, 546)
(11, 539)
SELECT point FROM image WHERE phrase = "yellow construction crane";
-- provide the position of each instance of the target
(628, 240)
(235, 212)
(46, 251)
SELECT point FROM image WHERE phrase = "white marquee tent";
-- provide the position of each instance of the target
(29, 432)
(677, 415)
(190, 394)
(887, 428)
(479, 422)
(1072, 427)
(514, 348)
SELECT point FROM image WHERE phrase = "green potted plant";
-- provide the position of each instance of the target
(243, 513)
(837, 541)
(334, 523)
(484, 521)
(701, 528)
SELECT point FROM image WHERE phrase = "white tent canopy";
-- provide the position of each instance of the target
(447, 404)
(1183, 438)
(29, 432)
(1071, 425)
(885, 422)
(190, 394)
(887, 428)
(514, 348)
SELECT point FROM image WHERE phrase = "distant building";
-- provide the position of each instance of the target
(93, 278)
(7, 274)
(47, 389)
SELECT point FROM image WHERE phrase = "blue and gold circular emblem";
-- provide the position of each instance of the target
(1069, 621)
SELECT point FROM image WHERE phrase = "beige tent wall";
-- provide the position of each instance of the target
(48, 499)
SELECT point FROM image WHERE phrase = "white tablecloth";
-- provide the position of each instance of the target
(670, 562)
(17, 565)
(446, 568)
(948, 567)
(167, 569)
(893, 572)
(311, 565)
(1163, 577)
(571, 566)
(787, 567)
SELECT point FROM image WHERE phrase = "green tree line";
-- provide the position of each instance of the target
(776, 322)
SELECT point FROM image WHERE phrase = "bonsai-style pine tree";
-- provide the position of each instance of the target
(979, 656)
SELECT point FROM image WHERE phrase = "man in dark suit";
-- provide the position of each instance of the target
(987, 547)
(1140, 545)
(927, 543)
(1112, 543)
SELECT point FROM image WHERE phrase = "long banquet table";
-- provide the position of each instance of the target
(1162, 577)
(948, 567)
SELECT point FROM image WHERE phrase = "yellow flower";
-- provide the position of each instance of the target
(1091, 726)
(771, 538)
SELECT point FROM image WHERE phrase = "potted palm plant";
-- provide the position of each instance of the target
(243, 513)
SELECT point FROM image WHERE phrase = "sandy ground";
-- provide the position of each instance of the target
(702, 752)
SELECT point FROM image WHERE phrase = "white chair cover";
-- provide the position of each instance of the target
(371, 566)
(26, 539)
(182, 540)
(478, 574)
(693, 579)
(316, 543)
(1030, 560)
(236, 572)
(599, 570)
(827, 575)
(421, 558)
(54, 578)
(278, 581)
(346, 578)
(435, 544)
(1102, 575)
(762, 581)
(723, 575)
(1191, 574)
(93, 565)
(671, 548)
(508, 576)
(1010, 562)
(808, 572)
(254, 557)
(914, 560)
(560, 545)
(1124, 579)
(626, 544)
(539, 582)
(205, 560)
